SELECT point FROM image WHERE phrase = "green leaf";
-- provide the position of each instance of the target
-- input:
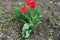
(26, 26)
(26, 31)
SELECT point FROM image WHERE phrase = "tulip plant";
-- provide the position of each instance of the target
(30, 15)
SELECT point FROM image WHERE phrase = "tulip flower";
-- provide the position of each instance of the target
(32, 4)
(24, 9)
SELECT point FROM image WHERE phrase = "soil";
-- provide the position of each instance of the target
(49, 29)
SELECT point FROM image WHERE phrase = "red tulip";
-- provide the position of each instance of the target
(28, 2)
(32, 4)
(24, 9)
